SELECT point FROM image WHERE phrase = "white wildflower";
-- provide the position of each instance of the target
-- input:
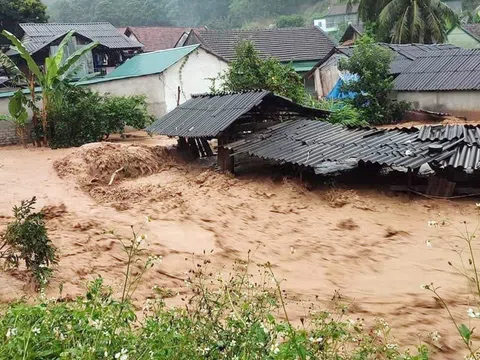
(122, 355)
(477, 205)
(428, 243)
(292, 250)
(425, 287)
(432, 223)
(473, 314)
(435, 336)
(11, 332)
(392, 346)
(36, 330)
(97, 324)
(316, 341)
(105, 354)
(140, 239)
(148, 219)
(274, 348)
(205, 350)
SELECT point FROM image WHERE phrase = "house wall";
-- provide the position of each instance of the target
(460, 38)
(458, 103)
(152, 86)
(192, 74)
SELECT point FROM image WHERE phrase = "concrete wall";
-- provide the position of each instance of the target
(192, 74)
(460, 38)
(152, 86)
(458, 103)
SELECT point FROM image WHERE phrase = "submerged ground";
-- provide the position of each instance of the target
(368, 244)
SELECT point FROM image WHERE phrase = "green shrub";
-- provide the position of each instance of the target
(26, 239)
(80, 116)
(343, 113)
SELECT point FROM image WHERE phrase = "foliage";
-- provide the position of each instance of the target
(54, 72)
(26, 239)
(467, 267)
(286, 21)
(15, 12)
(225, 317)
(250, 72)
(80, 115)
(408, 21)
(371, 62)
(189, 13)
(343, 113)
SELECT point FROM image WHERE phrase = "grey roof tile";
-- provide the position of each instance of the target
(287, 44)
(39, 35)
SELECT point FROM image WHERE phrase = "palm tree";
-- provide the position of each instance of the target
(409, 21)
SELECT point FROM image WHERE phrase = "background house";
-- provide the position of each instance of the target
(448, 81)
(351, 34)
(155, 38)
(165, 77)
(325, 73)
(465, 36)
(42, 40)
(302, 47)
(338, 15)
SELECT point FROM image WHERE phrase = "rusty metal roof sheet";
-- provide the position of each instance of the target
(327, 147)
(208, 115)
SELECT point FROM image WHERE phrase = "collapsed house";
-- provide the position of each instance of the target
(262, 125)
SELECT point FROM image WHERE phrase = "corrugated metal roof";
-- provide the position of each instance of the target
(326, 147)
(404, 53)
(39, 35)
(456, 69)
(151, 63)
(209, 115)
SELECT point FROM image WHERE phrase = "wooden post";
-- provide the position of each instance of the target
(192, 145)
(206, 147)
(178, 96)
(182, 144)
(200, 148)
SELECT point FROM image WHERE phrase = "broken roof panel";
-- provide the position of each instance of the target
(327, 147)
(208, 115)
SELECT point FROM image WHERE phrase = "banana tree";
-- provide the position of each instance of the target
(56, 70)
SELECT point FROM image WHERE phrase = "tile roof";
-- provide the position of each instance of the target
(150, 63)
(473, 29)
(208, 115)
(37, 35)
(457, 69)
(404, 53)
(286, 44)
(342, 10)
(157, 38)
(328, 148)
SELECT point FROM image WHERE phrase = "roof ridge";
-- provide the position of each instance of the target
(68, 23)
(260, 30)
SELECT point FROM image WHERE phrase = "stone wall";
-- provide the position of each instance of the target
(8, 134)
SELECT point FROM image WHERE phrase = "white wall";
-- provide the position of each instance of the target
(191, 74)
(152, 86)
(459, 103)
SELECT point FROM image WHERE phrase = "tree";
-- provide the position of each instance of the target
(249, 72)
(285, 21)
(371, 62)
(19, 11)
(408, 21)
(55, 71)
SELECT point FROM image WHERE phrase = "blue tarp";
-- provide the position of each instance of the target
(336, 93)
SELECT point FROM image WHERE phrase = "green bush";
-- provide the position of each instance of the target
(80, 116)
(286, 21)
(343, 112)
(26, 239)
